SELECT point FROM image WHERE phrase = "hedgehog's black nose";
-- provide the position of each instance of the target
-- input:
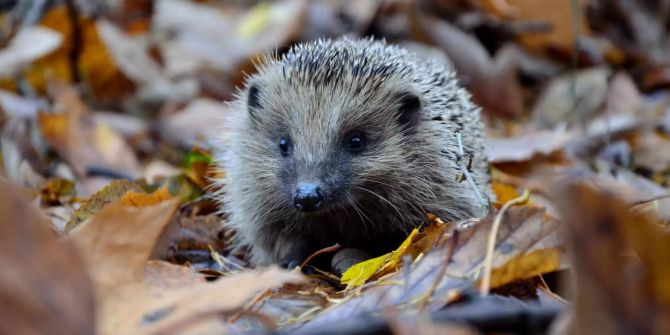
(308, 197)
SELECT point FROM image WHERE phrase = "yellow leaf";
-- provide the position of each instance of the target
(255, 21)
(359, 273)
(141, 199)
(56, 189)
(526, 265)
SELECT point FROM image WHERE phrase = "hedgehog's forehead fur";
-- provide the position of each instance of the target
(329, 87)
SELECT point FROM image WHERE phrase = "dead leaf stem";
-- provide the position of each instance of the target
(443, 269)
(332, 248)
(490, 246)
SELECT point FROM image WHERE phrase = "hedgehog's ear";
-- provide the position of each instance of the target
(409, 107)
(253, 100)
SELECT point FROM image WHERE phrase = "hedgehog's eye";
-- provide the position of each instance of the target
(355, 142)
(284, 146)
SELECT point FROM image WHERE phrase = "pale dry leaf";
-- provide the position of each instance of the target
(16, 106)
(27, 45)
(130, 53)
(199, 119)
(211, 38)
(526, 146)
(572, 97)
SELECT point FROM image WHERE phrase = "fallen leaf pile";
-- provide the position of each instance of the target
(110, 110)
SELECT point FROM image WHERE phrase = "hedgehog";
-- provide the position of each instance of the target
(348, 141)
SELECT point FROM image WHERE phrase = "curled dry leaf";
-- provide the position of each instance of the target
(44, 287)
(110, 193)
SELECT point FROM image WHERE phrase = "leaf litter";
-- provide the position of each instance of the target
(108, 120)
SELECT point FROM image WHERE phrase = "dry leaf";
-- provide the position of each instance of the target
(616, 290)
(476, 69)
(199, 119)
(112, 192)
(44, 288)
(142, 199)
(572, 97)
(85, 144)
(27, 46)
(117, 243)
(359, 273)
(526, 146)
(559, 14)
(523, 231)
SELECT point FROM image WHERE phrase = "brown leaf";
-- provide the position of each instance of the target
(117, 243)
(142, 199)
(190, 233)
(556, 13)
(44, 288)
(616, 290)
(118, 240)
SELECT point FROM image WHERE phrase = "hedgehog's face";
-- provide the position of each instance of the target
(330, 150)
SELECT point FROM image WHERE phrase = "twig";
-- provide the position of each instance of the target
(332, 248)
(464, 169)
(490, 246)
(258, 298)
(443, 269)
(182, 324)
(652, 199)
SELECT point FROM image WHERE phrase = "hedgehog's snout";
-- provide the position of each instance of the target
(309, 197)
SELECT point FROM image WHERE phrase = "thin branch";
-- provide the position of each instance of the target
(490, 246)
